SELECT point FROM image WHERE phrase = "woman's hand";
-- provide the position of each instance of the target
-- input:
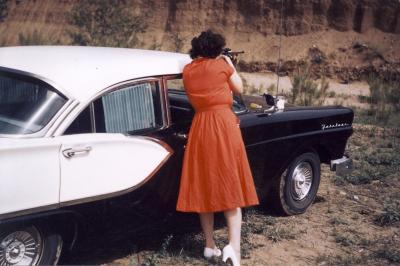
(235, 82)
(227, 59)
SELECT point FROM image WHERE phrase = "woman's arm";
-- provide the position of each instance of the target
(235, 81)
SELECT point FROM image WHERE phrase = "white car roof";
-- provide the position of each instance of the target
(81, 72)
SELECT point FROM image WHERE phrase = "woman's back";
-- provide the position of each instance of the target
(206, 82)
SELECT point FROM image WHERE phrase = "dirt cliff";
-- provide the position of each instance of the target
(332, 26)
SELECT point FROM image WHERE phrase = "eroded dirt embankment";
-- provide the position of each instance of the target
(344, 38)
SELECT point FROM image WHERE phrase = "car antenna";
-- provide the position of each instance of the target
(280, 46)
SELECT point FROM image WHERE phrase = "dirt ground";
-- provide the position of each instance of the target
(353, 221)
(338, 93)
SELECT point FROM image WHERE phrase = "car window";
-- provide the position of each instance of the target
(238, 105)
(26, 104)
(175, 84)
(130, 109)
(82, 124)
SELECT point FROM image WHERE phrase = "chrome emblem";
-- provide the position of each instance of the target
(327, 126)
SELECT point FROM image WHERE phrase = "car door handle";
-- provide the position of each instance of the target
(70, 152)
(181, 135)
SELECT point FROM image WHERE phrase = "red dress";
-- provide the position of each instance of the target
(216, 175)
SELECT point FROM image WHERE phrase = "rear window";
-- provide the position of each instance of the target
(26, 104)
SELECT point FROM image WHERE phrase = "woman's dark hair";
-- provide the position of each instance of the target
(207, 44)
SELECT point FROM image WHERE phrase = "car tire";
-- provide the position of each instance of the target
(297, 187)
(19, 243)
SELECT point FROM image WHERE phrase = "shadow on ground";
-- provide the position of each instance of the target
(103, 246)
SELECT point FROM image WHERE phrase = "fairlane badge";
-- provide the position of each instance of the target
(327, 126)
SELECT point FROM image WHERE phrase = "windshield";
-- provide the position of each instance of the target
(238, 104)
(26, 105)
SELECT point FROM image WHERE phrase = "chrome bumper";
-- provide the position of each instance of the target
(342, 166)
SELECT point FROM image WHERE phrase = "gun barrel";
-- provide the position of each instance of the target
(236, 52)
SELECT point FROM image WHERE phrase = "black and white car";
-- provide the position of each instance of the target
(85, 128)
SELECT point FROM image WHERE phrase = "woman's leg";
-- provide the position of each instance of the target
(234, 220)
(207, 224)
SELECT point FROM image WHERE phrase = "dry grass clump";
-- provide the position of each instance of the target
(391, 212)
(36, 38)
(306, 91)
(384, 99)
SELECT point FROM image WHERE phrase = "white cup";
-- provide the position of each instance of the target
(280, 104)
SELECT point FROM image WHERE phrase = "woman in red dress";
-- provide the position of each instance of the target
(216, 175)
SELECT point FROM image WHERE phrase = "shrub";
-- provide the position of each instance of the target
(277, 234)
(306, 91)
(35, 38)
(343, 240)
(271, 89)
(3, 9)
(391, 214)
(389, 254)
(384, 98)
(331, 94)
(105, 23)
(178, 41)
(337, 221)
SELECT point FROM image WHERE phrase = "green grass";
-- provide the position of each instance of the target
(277, 234)
(376, 155)
(337, 221)
(389, 254)
(391, 212)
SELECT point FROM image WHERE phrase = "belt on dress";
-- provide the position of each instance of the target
(213, 107)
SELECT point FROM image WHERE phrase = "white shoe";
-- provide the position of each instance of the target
(211, 252)
(229, 253)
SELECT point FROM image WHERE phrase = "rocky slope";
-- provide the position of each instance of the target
(332, 27)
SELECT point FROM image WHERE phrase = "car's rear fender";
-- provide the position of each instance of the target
(281, 152)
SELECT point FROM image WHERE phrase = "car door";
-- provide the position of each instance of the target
(106, 156)
(95, 165)
(29, 174)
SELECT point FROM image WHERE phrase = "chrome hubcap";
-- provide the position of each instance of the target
(301, 180)
(21, 247)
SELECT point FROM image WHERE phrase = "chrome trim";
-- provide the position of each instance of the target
(182, 108)
(342, 166)
(71, 152)
(302, 179)
(158, 141)
(181, 135)
(8, 215)
(166, 101)
(315, 132)
(167, 105)
(242, 112)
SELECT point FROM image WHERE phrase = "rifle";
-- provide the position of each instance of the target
(232, 54)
